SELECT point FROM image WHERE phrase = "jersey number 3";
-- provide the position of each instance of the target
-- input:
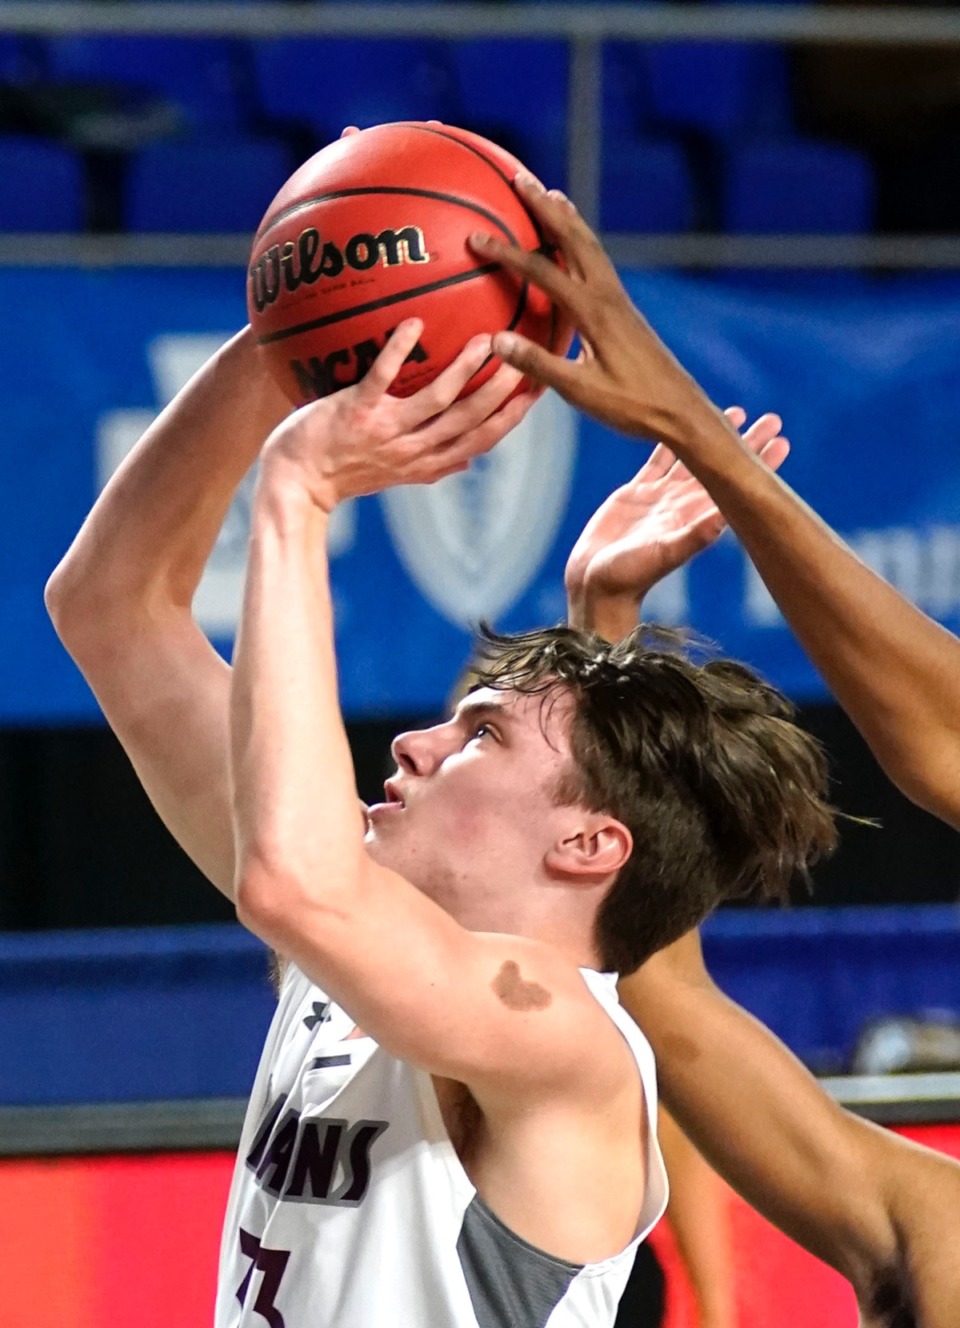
(271, 1263)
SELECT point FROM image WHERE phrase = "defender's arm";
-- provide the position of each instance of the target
(891, 667)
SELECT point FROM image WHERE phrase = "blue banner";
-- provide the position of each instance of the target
(867, 384)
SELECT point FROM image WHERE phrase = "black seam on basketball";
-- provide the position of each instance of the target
(452, 138)
(518, 312)
(294, 208)
(372, 305)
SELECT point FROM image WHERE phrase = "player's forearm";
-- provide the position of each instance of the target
(148, 537)
(297, 824)
(891, 667)
(758, 1116)
(610, 616)
(699, 1216)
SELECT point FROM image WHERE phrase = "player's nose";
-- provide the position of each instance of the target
(418, 751)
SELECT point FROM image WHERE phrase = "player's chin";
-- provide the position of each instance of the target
(380, 850)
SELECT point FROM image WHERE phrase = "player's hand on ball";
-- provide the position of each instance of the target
(657, 521)
(361, 440)
(625, 375)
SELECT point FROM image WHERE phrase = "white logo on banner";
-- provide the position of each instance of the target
(474, 542)
(173, 360)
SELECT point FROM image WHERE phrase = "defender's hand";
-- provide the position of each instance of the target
(626, 376)
(657, 521)
(362, 440)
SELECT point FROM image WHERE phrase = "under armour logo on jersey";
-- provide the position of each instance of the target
(321, 1015)
(326, 1160)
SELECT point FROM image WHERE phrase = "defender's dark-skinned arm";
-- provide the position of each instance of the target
(891, 667)
(121, 597)
(879, 1209)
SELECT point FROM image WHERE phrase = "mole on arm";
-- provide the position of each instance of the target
(518, 994)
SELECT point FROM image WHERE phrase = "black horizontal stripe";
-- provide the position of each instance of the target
(329, 1062)
(384, 302)
(394, 190)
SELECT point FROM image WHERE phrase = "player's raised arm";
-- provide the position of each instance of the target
(891, 667)
(879, 1209)
(121, 597)
(407, 970)
(648, 528)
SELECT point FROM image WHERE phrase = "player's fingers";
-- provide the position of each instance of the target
(571, 296)
(349, 131)
(774, 453)
(389, 362)
(695, 537)
(703, 532)
(465, 415)
(660, 461)
(538, 364)
(487, 434)
(436, 397)
(762, 431)
(557, 213)
(736, 415)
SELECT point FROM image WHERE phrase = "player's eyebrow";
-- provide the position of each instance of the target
(474, 712)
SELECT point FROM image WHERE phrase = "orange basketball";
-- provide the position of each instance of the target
(373, 229)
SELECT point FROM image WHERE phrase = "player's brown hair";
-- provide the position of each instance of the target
(723, 793)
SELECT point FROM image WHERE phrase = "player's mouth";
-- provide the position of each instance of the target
(392, 801)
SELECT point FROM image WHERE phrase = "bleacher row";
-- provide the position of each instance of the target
(200, 132)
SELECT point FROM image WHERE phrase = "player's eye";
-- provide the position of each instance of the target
(484, 731)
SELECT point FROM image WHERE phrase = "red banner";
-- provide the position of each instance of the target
(134, 1241)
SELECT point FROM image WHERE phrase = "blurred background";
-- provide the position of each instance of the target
(780, 184)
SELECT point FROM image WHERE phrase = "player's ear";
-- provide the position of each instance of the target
(597, 848)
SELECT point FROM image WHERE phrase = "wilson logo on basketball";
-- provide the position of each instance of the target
(307, 259)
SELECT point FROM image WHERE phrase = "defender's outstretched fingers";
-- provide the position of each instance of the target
(379, 378)
(570, 295)
(581, 248)
(543, 367)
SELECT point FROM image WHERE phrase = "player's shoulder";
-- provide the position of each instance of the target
(581, 1010)
(518, 962)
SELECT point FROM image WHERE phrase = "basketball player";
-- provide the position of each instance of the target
(883, 1211)
(444, 1127)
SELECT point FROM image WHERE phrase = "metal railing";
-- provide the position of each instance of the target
(215, 1123)
(585, 28)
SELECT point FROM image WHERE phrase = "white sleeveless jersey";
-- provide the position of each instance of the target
(349, 1207)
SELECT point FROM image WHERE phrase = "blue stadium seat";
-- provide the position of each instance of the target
(329, 82)
(626, 92)
(197, 74)
(797, 186)
(721, 89)
(22, 59)
(208, 186)
(516, 92)
(645, 186)
(44, 186)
